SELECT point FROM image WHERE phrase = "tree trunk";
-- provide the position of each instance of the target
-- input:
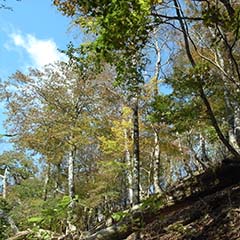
(4, 183)
(156, 164)
(71, 191)
(234, 132)
(203, 151)
(202, 94)
(12, 225)
(157, 69)
(156, 150)
(229, 8)
(237, 126)
(194, 156)
(9, 220)
(136, 154)
(46, 181)
(232, 112)
(129, 170)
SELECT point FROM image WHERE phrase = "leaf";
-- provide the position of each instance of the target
(35, 220)
(118, 216)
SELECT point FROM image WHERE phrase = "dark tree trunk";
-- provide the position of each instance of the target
(202, 94)
(136, 154)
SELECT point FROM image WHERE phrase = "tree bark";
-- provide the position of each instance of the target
(71, 191)
(156, 149)
(156, 164)
(4, 183)
(229, 8)
(71, 175)
(9, 220)
(46, 181)
(203, 150)
(136, 154)
(129, 170)
(12, 225)
(237, 126)
(232, 109)
(21, 235)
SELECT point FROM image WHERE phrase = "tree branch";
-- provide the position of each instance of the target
(176, 17)
(200, 85)
(8, 135)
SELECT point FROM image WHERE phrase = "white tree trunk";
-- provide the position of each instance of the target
(156, 150)
(46, 181)
(237, 126)
(4, 183)
(203, 151)
(129, 169)
(4, 195)
(12, 225)
(71, 175)
(10, 221)
(233, 115)
(156, 164)
(71, 192)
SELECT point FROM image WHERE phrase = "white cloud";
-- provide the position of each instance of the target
(41, 51)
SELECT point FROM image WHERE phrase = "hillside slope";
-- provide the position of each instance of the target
(203, 207)
(213, 217)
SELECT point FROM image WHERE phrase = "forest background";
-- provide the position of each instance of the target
(94, 134)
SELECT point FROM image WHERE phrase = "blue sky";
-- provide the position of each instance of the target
(30, 36)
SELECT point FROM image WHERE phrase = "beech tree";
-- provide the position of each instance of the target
(106, 134)
(58, 113)
(151, 12)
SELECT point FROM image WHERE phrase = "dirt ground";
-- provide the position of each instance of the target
(214, 217)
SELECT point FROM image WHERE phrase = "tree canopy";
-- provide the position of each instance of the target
(97, 134)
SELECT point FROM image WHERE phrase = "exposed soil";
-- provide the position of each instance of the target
(214, 217)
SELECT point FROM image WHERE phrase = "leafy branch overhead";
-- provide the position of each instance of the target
(121, 29)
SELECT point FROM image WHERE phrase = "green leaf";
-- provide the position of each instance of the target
(35, 220)
(118, 216)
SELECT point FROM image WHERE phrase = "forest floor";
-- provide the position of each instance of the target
(213, 217)
(206, 207)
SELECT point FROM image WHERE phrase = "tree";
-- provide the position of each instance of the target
(114, 40)
(59, 113)
(15, 167)
(99, 119)
(151, 13)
